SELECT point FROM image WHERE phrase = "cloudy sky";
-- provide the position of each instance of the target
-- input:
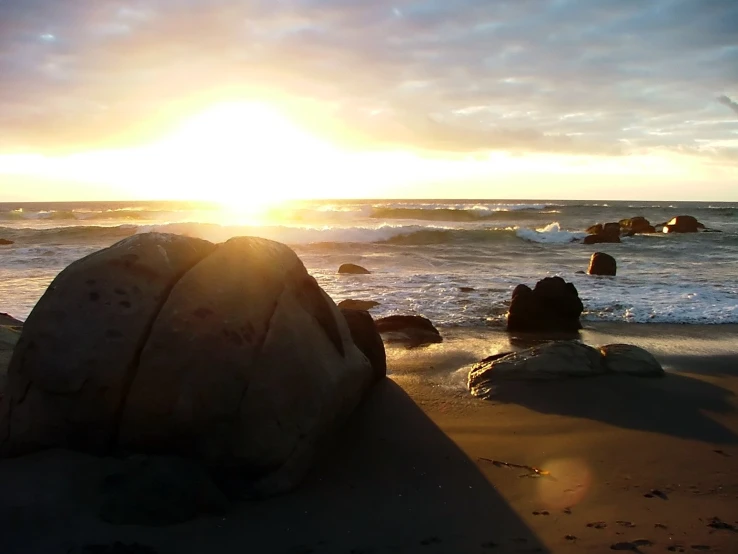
(548, 84)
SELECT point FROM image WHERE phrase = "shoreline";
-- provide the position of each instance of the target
(411, 470)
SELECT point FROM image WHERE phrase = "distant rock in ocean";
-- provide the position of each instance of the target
(229, 355)
(353, 269)
(350, 304)
(636, 225)
(683, 224)
(552, 306)
(5, 242)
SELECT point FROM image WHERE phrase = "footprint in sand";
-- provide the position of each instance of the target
(543, 513)
(632, 546)
(656, 493)
(597, 525)
(625, 524)
(570, 537)
(717, 523)
(700, 547)
(660, 526)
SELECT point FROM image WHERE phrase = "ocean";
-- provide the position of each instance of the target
(455, 262)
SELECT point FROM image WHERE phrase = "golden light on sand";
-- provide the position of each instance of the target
(571, 482)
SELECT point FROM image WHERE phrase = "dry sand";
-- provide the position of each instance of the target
(642, 464)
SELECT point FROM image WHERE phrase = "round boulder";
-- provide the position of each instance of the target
(630, 360)
(602, 264)
(231, 355)
(353, 269)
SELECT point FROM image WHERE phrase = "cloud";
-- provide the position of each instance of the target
(603, 78)
(728, 102)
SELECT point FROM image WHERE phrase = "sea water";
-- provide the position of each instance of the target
(424, 255)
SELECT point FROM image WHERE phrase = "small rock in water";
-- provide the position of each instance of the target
(353, 269)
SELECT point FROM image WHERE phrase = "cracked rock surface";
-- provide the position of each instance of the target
(229, 354)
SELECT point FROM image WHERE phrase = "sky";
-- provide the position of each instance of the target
(253, 100)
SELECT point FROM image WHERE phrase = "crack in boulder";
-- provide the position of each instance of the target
(132, 369)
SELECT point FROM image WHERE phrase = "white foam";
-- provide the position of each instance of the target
(551, 233)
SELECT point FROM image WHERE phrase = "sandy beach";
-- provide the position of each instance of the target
(633, 464)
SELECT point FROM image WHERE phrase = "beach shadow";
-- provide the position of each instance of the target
(717, 365)
(391, 481)
(673, 405)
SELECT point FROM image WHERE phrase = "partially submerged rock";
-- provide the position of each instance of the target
(560, 360)
(413, 330)
(5, 242)
(231, 355)
(552, 306)
(609, 232)
(631, 360)
(353, 269)
(683, 224)
(350, 304)
(602, 264)
(636, 225)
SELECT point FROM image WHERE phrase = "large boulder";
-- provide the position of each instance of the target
(552, 306)
(412, 330)
(637, 224)
(231, 355)
(602, 264)
(683, 224)
(630, 360)
(367, 338)
(553, 360)
(353, 269)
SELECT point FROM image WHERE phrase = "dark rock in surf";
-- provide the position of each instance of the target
(636, 225)
(5, 242)
(413, 330)
(466, 289)
(367, 338)
(683, 224)
(552, 306)
(602, 264)
(357, 304)
(609, 232)
(353, 269)
(229, 355)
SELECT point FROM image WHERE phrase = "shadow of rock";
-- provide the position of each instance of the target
(392, 481)
(672, 405)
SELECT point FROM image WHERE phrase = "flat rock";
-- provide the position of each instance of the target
(554, 360)
(630, 360)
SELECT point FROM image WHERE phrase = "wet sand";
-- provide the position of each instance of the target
(633, 464)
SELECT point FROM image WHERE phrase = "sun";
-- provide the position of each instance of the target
(247, 156)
